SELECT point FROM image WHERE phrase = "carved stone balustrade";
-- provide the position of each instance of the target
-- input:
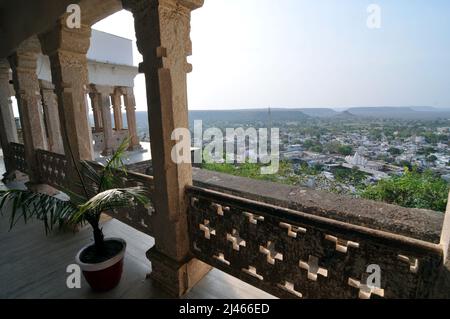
(292, 254)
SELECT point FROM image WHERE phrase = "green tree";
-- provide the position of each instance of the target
(413, 189)
(395, 151)
(317, 148)
(351, 176)
(333, 147)
(308, 144)
(432, 158)
(406, 164)
(345, 150)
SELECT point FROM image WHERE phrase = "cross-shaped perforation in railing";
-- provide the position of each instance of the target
(252, 272)
(236, 241)
(194, 201)
(313, 268)
(253, 219)
(150, 209)
(292, 230)
(207, 229)
(289, 287)
(195, 246)
(365, 290)
(341, 244)
(411, 261)
(143, 223)
(271, 253)
(220, 209)
(221, 257)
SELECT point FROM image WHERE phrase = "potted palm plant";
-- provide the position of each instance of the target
(101, 261)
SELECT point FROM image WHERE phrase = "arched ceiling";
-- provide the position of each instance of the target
(21, 19)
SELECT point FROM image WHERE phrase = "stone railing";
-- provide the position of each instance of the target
(53, 169)
(294, 242)
(118, 136)
(297, 243)
(18, 157)
(292, 254)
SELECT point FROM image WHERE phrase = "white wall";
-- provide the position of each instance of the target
(119, 71)
(113, 75)
(109, 48)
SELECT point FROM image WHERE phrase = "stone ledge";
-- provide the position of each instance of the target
(420, 224)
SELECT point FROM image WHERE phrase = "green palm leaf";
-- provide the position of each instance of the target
(26, 205)
(102, 193)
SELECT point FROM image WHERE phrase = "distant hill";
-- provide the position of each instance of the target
(244, 116)
(345, 115)
(425, 109)
(319, 112)
(407, 113)
(291, 115)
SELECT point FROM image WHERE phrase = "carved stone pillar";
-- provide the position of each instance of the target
(162, 31)
(26, 84)
(116, 99)
(98, 124)
(130, 107)
(67, 50)
(104, 104)
(51, 117)
(8, 130)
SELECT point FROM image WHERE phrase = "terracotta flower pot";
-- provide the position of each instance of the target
(105, 275)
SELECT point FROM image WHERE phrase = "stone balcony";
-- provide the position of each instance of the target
(289, 241)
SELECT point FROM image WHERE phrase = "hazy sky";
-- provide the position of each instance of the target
(312, 53)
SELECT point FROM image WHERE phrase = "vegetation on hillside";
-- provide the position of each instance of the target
(413, 189)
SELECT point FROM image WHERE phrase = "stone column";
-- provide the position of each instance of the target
(104, 102)
(98, 123)
(67, 50)
(116, 99)
(130, 107)
(162, 31)
(26, 84)
(8, 129)
(51, 117)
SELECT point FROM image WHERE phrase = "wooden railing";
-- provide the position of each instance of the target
(292, 254)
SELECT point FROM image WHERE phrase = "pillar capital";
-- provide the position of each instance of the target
(25, 57)
(46, 85)
(137, 5)
(169, 49)
(62, 38)
(125, 90)
(102, 89)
